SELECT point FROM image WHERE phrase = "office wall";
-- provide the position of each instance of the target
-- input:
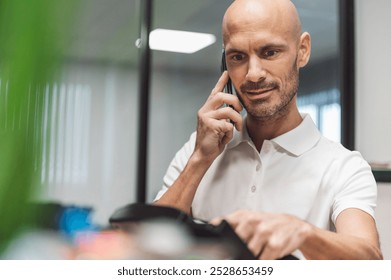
(104, 178)
(373, 113)
(383, 218)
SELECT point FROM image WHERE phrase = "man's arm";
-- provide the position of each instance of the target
(356, 237)
(180, 195)
(214, 131)
(272, 236)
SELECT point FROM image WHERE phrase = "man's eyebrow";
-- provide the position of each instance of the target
(269, 46)
(273, 46)
(232, 50)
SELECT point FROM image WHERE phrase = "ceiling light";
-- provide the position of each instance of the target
(179, 41)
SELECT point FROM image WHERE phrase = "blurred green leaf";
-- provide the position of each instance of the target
(32, 33)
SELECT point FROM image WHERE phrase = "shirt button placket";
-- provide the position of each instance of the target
(257, 181)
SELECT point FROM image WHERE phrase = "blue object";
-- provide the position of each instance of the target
(75, 219)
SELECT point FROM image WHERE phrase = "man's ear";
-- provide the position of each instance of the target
(304, 50)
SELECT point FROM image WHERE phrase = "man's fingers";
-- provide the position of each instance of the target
(276, 247)
(220, 98)
(235, 218)
(228, 136)
(216, 221)
(219, 87)
(244, 232)
(227, 113)
(256, 244)
(222, 106)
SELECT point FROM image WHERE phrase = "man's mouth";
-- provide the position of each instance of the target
(260, 91)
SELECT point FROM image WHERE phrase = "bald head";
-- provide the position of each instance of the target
(264, 51)
(254, 15)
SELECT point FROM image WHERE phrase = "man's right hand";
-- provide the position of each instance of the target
(214, 131)
(216, 121)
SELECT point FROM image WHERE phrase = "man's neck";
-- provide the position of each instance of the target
(261, 130)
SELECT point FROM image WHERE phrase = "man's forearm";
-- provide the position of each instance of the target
(181, 194)
(322, 244)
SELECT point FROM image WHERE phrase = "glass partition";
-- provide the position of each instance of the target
(91, 122)
(182, 82)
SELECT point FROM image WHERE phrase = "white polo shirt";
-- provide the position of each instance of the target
(299, 173)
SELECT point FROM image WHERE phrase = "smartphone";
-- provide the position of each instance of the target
(228, 86)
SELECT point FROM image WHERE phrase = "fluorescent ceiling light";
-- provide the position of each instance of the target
(179, 41)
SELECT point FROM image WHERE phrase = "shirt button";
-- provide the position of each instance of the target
(258, 167)
(253, 188)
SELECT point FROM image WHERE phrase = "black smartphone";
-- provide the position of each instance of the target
(228, 86)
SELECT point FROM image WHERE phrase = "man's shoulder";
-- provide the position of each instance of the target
(335, 148)
(338, 153)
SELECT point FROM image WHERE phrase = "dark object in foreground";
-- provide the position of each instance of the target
(200, 231)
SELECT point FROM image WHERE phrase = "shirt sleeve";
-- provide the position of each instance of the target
(177, 165)
(358, 187)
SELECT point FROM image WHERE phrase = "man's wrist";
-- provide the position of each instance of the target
(199, 160)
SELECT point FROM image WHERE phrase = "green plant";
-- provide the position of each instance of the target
(32, 33)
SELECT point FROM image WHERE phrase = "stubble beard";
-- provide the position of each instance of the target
(262, 111)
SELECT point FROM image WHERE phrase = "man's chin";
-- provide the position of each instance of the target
(262, 117)
(267, 114)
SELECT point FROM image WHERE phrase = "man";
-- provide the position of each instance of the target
(282, 186)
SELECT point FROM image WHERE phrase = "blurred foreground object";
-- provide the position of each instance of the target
(30, 33)
(169, 233)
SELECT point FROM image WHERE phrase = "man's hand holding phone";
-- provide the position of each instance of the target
(216, 121)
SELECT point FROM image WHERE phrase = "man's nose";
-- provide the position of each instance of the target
(255, 72)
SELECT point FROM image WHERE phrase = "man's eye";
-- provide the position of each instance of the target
(237, 57)
(271, 53)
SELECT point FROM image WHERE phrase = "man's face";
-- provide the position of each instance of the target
(263, 68)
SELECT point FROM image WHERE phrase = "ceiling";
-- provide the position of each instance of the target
(105, 31)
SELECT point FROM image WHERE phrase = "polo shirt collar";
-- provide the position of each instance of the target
(240, 136)
(300, 139)
(297, 141)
